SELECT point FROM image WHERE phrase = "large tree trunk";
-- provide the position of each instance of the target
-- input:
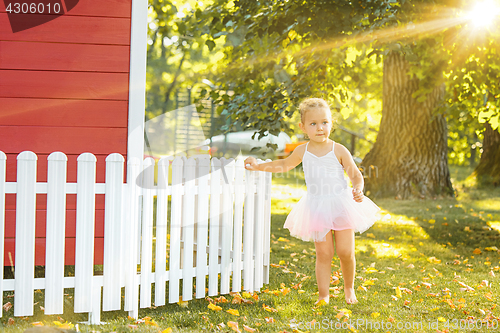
(488, 169)
(410, 154)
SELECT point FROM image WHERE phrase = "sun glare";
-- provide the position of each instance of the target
(484, 13)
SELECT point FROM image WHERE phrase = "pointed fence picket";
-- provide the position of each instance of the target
(212, 225)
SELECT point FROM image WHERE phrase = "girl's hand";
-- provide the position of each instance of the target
(357, 195)
(251, 164)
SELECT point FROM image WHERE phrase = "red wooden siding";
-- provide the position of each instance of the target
(64, 57)
(70, 112)
(64, 87)
(77, 29)
(108, 8)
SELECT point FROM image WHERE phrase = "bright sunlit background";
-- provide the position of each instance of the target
(484, 13)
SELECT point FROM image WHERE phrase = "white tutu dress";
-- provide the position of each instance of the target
(328, 204)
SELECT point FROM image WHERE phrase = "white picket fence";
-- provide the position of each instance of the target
(218, 224)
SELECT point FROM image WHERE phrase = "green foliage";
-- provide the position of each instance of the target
(279, 52)
(265, 56)
(179, 53)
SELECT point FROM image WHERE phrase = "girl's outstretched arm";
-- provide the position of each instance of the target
(353, 172)
(279, 165)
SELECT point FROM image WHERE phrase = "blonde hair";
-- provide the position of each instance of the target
(311, 103)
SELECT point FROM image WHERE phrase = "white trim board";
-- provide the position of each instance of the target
(137, 81)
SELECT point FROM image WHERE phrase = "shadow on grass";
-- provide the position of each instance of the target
(462, 224)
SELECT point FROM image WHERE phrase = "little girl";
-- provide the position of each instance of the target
(328, 207)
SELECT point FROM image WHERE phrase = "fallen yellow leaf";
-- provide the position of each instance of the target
(64, 326)
(182, 304)
(221, 299)
(233, 312)
(248, 329)
(477, 251)
(434, 260)
(214, 307)
(246, 294)
(234, 326)
(268, 308)
(398, 292)
(167, 330)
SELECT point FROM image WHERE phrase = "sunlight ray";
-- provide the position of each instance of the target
(386, 35)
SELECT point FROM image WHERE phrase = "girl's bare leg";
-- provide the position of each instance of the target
(324, 256)
(344, 245)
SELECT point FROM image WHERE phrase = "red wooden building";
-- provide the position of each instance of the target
(73, 83)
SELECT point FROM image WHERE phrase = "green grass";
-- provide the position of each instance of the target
(423, 247)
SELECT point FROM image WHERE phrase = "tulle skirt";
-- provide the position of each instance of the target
(314, 216)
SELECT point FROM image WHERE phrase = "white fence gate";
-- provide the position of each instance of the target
(218, 223)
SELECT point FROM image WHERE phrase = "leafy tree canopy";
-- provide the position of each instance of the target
(279, 52)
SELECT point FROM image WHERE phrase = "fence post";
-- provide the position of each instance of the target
(131, 253)
(227, 228)
(112, 233)
(161, 231)
(55, 236)
(213, 238)
(95, 313)
(188, 229)
(3, 163)
(267, 225)
(248, 232)
(147, 231)
(85, 221)
(239, 196)
(175, 231)
(203, 173)
(25, 233)
(259, 229)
